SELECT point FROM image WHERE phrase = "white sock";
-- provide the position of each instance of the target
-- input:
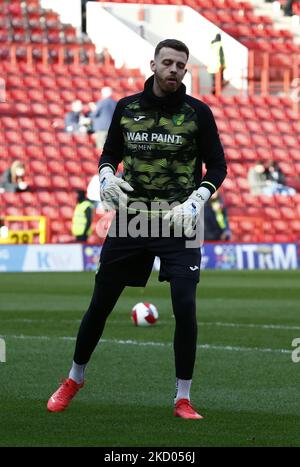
(183, 387)
(77, 373)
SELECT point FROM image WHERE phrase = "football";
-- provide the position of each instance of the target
(144, 314)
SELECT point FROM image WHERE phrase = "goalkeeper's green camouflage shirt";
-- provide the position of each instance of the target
(163, 142)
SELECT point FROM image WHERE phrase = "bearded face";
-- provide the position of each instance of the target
(169, 68)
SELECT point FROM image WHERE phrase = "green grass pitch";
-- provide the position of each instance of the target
(245, 383)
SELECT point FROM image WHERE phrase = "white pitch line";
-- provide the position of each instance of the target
(249, 325)
(156, 344)
(201, 323)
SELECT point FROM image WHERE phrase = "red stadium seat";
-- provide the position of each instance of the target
(59, 182)
(272, 213)
(85, 152)
(27, 123)
(260, 140)
(56, 166)
(295, 226)
(287, 213)
(73, 167)
(247, 154)
(77, 183)
(47, 137)
(243, 184)
(34, 151)
(65, 198)
(37, 166)
(64, 138)
(281, 226)
(232, 199)
(89, 167)
(51, 152)
(51, 212)
(66, 212)
(69, 152)
(43, 123)
(266, 200)
(27, 198)
(41, 181)
(45, 198)
(57, 227)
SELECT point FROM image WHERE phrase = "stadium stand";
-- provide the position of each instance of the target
(271, 47)
(45, 67)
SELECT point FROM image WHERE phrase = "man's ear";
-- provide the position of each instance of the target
(152, 65)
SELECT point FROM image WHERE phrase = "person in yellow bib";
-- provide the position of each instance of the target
(216, 61)
(82, 218)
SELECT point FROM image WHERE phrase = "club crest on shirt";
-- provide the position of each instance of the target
(178, 119)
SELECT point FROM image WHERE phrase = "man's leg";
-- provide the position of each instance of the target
(183, 293)
(91, 328)
(104, 298)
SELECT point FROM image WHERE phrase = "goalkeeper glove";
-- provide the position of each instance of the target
(112, 189)
(187, 214)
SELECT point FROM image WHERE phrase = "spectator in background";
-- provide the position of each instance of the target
(216, 226)
(276, 181)
(82, 218)
(268, 181)
(288, 8)
(101, 117)
(216, 63)
(257, 178)
(88, 117)
(75, 119)
(13, 179)
(274, 173)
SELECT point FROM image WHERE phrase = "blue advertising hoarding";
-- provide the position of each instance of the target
(77, 257)
(39, 258)
(250, 256)
(229, 256)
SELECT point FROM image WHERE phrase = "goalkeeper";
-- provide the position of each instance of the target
(163, 136)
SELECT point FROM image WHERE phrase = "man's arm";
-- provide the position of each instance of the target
(211, 152)
(113, 189)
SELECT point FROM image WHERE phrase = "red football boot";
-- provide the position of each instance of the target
(183, 409)
(60, 400)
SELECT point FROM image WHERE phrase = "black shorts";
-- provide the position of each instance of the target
(130, 260)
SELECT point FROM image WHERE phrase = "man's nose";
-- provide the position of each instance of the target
(173, 68)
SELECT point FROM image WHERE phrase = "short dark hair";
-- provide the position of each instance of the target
(172, 44)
